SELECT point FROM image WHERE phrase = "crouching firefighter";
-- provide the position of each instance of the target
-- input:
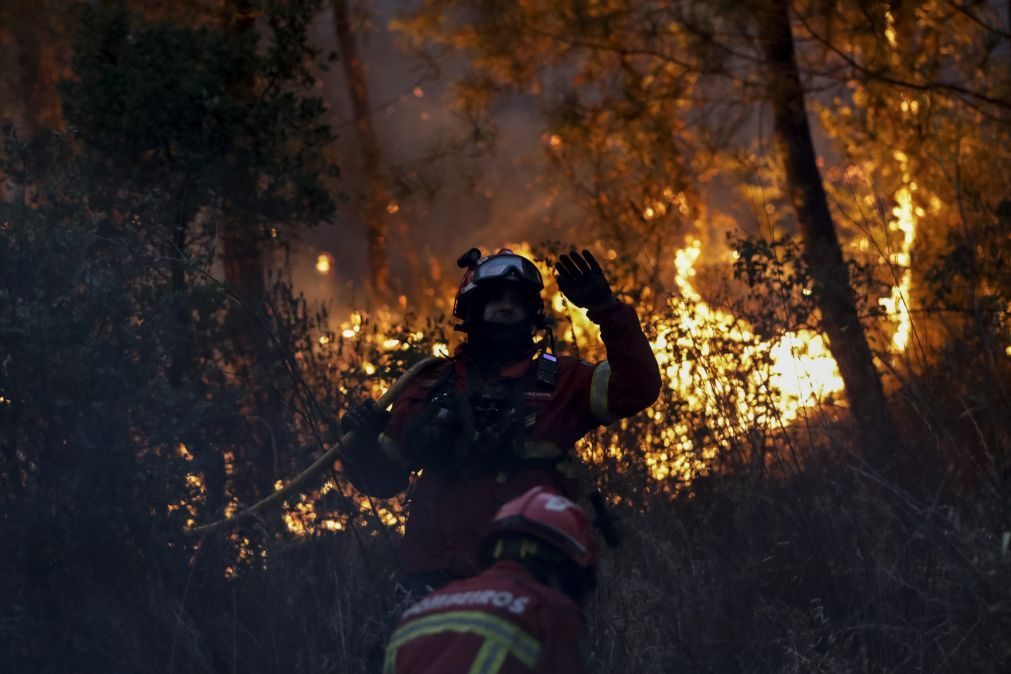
(499, 417)
(523, 614)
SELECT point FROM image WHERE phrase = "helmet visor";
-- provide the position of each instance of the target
(508, 267)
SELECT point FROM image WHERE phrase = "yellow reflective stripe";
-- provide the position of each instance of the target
(506, 637)
(598, 393)
(388, 447)
(489, 659)
(488, 626)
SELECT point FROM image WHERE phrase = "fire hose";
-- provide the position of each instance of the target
(317, 466)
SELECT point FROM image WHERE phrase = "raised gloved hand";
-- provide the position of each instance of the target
(365, 419)
(582, 281)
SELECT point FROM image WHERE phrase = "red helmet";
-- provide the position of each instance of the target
(504, 266)
(547, 517)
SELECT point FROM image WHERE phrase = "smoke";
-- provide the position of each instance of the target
(451, 190)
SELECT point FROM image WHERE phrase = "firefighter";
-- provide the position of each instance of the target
(523, 613)
(500, 416)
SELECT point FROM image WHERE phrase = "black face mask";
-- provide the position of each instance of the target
(498, 343)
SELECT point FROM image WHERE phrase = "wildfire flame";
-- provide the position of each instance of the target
(793, 372)
(896, 305)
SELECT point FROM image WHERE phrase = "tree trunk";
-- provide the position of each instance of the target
(242, 259)
(241, 254)
(240, 246)
(182, 350)
(377, 196)
(832, 290)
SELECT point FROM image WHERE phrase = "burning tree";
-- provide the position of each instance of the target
(652, 111)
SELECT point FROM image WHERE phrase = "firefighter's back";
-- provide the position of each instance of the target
(502, 621)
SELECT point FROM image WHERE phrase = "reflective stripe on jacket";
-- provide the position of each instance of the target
(500, 622)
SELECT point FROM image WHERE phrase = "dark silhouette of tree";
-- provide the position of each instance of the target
(219, 143)
(833, 291)
(377, 193)
(242, 240)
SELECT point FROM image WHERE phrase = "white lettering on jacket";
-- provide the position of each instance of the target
(500, 599)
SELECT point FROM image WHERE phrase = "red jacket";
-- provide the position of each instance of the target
(502, 621)
(449, 509)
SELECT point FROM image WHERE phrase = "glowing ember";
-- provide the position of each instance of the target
(183, 452)
(385, 515)
(324, 263)
(890, 33)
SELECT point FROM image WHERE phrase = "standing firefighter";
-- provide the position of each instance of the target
(500, 416)
(523, 614)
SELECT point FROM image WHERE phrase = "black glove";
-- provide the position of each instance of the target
(365, 419)
(582, 281)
